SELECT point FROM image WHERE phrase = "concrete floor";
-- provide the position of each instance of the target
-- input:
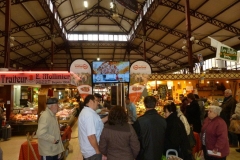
(11, 148)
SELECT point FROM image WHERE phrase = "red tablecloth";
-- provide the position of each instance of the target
(23, 154)
(67, 134)
(198, 145)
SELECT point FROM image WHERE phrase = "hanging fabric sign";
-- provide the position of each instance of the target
(139, 73)
(80, 76)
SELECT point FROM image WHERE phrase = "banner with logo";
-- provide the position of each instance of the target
(80, 76)
(139, 74)
(225, 52)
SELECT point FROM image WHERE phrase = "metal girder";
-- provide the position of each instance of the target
(87, 16)
(13, 2)
(71, 18)
(159, 55)
(149, 12)
(182, 52)
(203, 17)
(57, 3)
(99, 12)
(58, 48)
(50, 15)
(151, 62)
(43, 60)
(177, 33)
(35, 41)
(114, 49)
(118, 24)
(42, 22)
(86, 44)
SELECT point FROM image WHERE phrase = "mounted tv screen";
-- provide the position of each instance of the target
(110, 71)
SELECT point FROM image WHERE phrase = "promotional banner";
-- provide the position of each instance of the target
(80, 76)
(139, 74)
(225, 52)
(34, 77)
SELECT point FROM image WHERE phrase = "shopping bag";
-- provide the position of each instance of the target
(234, 126)
(172, 157)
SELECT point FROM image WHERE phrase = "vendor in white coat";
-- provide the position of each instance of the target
(48, 132)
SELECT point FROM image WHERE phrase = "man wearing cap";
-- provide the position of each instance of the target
(90, 127)
(48, 132)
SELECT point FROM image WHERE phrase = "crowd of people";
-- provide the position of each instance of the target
(123, 135)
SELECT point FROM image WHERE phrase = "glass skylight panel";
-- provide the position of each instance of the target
(115, 37)
(80, 37)
(101, 37)
(120, 37)
(110, 37)
(70, 37)
(90, 37)
(125, 37)
(95, 37)
(60, 23)
(105, 37)
(85, 37)
(51, 7)
(207, 66)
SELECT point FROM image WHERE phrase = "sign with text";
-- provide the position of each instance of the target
(81, 76)
(42, 78)
(139, 74)
(227, 53)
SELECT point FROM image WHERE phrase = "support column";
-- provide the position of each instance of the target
(189, 43)
(7, 34)
(52, 36)
(144, 37)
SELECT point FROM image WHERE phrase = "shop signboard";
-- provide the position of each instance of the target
(80, 75)
(227, 53)
(34, 77)
(224, 52)
(139, 74)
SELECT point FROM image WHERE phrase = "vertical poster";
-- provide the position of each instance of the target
(80, 76)
(139, 74)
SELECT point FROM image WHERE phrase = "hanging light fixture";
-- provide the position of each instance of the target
(12, 39)
(85, 4)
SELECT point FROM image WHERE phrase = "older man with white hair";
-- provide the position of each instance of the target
(49, 138)
(228, 107)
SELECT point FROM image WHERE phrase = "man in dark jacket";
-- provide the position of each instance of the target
(150, 129)
(228, 107)
(193, 113)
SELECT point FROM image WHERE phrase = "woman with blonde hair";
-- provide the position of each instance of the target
(214, 135)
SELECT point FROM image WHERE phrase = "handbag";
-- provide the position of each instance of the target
(234, 126)
(191, 138)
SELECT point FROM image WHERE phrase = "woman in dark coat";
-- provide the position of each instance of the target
(119, 140)
(176, 136)
(193, 113)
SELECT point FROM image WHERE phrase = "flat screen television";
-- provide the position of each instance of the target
(111, 71)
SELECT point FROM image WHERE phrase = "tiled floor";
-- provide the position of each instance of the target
(11, 148)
